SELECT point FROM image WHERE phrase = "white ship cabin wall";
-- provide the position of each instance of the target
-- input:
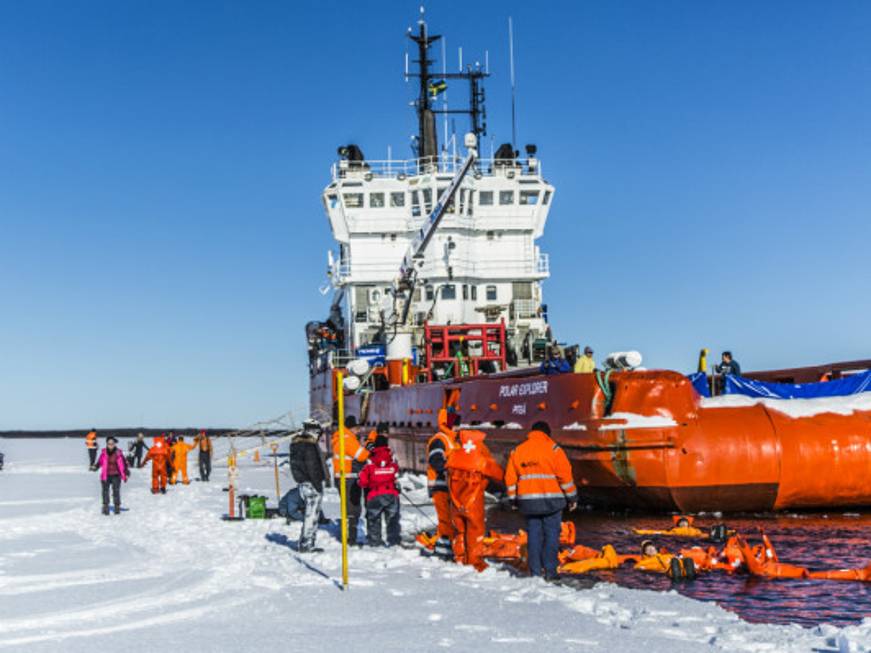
(482, 265)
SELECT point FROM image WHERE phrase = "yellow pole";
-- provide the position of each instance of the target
(274, 447)
(343, 490)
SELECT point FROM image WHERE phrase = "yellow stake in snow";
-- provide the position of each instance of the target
(340, 385)
(274, 447)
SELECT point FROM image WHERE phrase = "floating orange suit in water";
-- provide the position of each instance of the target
(469, 470)
(764, 562)
(158, 455)
(862, 575)
(180, 461)
(683, 527)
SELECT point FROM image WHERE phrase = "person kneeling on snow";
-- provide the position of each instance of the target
(307, 468)
(378, 479)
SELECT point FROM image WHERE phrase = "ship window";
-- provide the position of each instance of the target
(465, 291)
(546, 197)
(430, 295)
(392, 238)
(450, 207)
(332, 200)
(491, 293)
(397, 200)
(521, 290)
(506, 197)
(528, 197)
(474, 292)
(491, 235)
(485, 198)
(376, 200)
(471, 203)
(353, 200)
(415, 203)
(427, 199)
(449, 291)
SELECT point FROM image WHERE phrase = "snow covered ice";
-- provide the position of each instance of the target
(169, 574)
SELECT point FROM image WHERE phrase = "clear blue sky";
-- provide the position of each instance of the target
(162, 237)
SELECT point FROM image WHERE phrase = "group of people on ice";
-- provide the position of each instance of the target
(168, 456)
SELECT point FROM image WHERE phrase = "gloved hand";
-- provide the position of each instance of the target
(573, 506)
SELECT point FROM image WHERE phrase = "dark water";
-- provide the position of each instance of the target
(815, 541)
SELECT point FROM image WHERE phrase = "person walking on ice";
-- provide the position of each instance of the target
(308, 469)
(113, 470)
(378, 479)
(180, 451)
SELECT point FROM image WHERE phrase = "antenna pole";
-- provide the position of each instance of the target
(513, 86)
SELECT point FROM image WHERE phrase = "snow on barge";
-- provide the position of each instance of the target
(437, 301)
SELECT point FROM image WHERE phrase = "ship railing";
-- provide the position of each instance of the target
(403, 168)
(491, 268)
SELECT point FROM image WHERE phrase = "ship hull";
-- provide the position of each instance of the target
(654, 446)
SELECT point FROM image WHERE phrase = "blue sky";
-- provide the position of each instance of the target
(162, 238)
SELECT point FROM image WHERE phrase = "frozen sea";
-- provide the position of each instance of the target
(169, 574)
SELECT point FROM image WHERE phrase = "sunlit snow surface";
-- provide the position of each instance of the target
(169, 574)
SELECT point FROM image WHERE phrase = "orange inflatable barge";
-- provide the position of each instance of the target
(654, 444)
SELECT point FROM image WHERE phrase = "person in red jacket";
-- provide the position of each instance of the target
(470, 469)
(378, 479)
(158, 455)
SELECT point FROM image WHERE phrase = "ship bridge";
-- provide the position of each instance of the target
(482, 265)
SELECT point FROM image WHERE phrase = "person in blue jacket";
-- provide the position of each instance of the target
(554, 363)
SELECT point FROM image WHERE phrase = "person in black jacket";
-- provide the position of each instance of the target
(139, 449)
(308, 470)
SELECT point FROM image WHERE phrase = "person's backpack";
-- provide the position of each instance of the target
(292, 506)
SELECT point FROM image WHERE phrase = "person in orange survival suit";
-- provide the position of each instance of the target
(439, 449)
(91, 444)
(180, 452)
(766, 564)
(469, 469)
(356, 456)
(538, 477)
(158, 455)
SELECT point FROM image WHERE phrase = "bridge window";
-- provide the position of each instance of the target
(449, 291)
(485, 198)
(491, 293)
(430, 294)
(465, 291)
(332, 200)
(376, 200)
(474, 293)
(427, 199)
(546, 197)
(353, 200)
(506, 197)
(397, 200)
(528, 197)
(415, 203)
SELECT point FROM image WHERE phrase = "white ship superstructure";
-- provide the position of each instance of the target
(482, 265)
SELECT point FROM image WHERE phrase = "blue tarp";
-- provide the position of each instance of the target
(700, 383)
(851, 385)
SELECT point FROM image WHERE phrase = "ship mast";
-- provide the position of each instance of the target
(428, 89)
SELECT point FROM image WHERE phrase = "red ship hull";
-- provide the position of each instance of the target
(656, 447)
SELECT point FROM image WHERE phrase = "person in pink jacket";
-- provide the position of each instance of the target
(113, 470)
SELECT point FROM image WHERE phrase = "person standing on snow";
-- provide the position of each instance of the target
(470, 469)
(158, 455)
(438, 450)
(204, 444)
(307, 468)
(180, 451)
(356, 456)
(91, 444)
(113, 470)
(538, 478)
(139, 449)
(378, 479)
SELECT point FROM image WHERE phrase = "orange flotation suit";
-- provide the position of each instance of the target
(764, 563)
(580, 561)
(675, 530)
(158, 454)
(861, 575)
(438, 450)
(180, 461)
(469, 470)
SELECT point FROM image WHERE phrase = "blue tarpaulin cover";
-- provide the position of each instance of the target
(700, 383)
(850, 385)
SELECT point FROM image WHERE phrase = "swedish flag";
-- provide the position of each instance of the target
(437, 87)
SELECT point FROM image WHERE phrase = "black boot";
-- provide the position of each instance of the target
(105, 510)
(117, 510)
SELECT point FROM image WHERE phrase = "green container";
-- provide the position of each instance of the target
(256, 508)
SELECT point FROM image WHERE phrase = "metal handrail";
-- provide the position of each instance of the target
(419, 167)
